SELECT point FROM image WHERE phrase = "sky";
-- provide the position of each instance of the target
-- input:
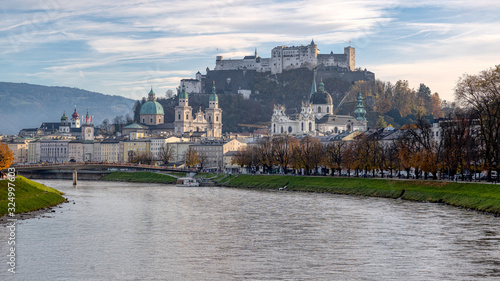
(122, 47)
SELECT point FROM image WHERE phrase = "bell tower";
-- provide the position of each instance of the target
(183, 113)
(213, 115)
(88, 128)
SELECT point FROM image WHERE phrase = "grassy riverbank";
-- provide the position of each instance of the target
(146, 177)
(29, 196)
(481, 197)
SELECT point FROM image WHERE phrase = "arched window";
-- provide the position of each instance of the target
(336, 130)
(282, 129)
(302, 126)
(217, 118)
(151, 120)
(289, 129)
(187, 117)
(310, 127)
(143, 120)
(274, 128)
(209, 118)
(327, 109)
(319, 109)
(179, 117)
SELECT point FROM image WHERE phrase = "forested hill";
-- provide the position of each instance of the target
(27, 106)
(395, 104)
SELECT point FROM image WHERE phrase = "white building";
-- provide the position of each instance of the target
(286, 58)
(316, 115)
(209, 121)
(54, 151)
(34, 152)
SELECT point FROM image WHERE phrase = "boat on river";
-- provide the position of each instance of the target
(187, 182)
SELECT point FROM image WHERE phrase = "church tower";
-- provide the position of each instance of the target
(88, 129)
(75, 120)
(213, 115)
(183, 113)
(360, 111)
(64, 126)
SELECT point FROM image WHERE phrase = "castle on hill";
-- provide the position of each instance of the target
(236, 75)
(287, 58)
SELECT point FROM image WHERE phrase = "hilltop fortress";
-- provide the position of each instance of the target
(286, 58)
(235, 75)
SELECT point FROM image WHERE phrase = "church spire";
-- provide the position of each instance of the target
(313, 86)
(360, 111)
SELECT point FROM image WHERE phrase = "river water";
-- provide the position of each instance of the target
(125, 231)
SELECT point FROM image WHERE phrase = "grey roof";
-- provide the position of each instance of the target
(329, 118)
(321, 98)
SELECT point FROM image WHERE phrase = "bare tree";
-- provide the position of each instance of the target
(166, 154)
(482, 93)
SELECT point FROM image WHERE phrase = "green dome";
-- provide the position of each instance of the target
(321, 98)
(152, 107)
(64, 117)
(213, 95)
(183, 94)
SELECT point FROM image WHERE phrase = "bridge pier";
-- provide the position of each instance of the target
(75, 177)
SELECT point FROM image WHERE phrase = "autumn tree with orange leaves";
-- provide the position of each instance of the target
(6, 156)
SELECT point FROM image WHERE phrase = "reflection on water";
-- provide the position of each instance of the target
(122, 231)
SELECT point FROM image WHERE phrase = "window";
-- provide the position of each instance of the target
(187, 117)
(217, 118)
(179, 117)
(302, 126)
(209, 118)
(327, 109)
(282, 130)
(143, 120)
(151, 120)
(319, 109)
(289, 129)
(274, 128)
(310, 126)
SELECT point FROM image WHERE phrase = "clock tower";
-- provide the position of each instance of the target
(88, 129)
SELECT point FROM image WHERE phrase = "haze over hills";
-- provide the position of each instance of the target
(25, 105)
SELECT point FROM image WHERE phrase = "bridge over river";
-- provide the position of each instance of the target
(94, 169)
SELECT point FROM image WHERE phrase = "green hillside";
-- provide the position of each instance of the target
(27, 105)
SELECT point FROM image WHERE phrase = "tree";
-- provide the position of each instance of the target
(142, 157)
(308, 154)
(166, 154)
(381, 122)
(265, 155)
(191, 158)
(482, 93)
(283, 147)
(6, 156)
(334, 156)
(169, 93)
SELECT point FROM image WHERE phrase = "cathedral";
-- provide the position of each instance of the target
(209, 123)
(316, 116)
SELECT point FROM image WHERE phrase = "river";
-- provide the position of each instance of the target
(126, 231)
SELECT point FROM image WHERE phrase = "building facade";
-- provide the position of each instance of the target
(316, 116)
(290, 57)
(209, 121)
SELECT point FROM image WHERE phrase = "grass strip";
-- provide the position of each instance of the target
(476, 196)
(29, 196)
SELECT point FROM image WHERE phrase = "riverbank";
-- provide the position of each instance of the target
(476, 196)
(29, 196)
(143, 177)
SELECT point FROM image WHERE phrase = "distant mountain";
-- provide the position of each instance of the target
(25, 105)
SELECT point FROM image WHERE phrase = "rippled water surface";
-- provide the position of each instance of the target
(123, 231)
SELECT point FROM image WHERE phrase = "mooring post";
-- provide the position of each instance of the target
(75, 177)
